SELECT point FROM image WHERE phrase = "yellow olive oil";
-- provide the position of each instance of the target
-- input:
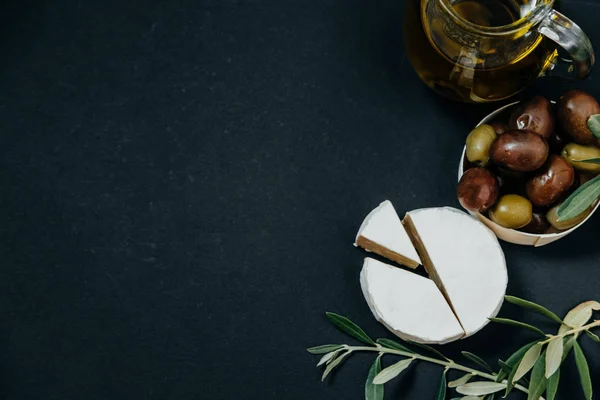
(465, 65)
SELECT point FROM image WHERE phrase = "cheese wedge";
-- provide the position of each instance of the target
(409, 305)
(465, 260)
(382, 233)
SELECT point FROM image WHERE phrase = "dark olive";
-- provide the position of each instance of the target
(552, 217)
(551, 182)
(521, 151)
(557, 142)
(509, 181)
(538, 225)
(477, 189)
(499, 127)
(534, 116)
(574, 109)
(574, 152)
(478, 144)
(512, 211)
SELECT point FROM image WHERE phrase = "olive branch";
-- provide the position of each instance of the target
(534, 369)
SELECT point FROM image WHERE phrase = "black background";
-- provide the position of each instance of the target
(181, 183)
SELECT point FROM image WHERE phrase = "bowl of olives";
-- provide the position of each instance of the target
(522, 161)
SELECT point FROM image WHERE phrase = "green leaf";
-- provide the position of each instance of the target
(504, 368)
(477, 360)
(460, 381)
(584, 371)
(428, 348)
(327, 358)
(590, 161)
(594, 124)
(513, 361)
(568, 346)
(331, 366)
(580, 200)
(326, 348)
(480, 388)
(349, 327)
(553, 385)
(490, 396)
(372, 391)
(511, 322)
(391, 344)
(579, 315)
(529, 360)
(538, 382)
(554, 354)
(534, 307)
(593, 336)
(441, 393)
(392, 371)
(471, 398)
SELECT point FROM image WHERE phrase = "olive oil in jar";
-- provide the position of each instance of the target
(480, 68)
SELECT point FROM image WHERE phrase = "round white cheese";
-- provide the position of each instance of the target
(465, 259)
(409, 305)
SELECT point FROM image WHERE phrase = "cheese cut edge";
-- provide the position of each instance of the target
(383, 233)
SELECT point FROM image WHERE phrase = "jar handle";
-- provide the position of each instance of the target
(570, 37)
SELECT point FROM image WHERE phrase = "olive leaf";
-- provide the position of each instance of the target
(592, 336)
(441, 392)
(372, 391)
(538, 383)
(428, 348)
(326, 348)
(477, 360)
(518, 324)
(554, 354)
(553, 385)
(579, 315)
(590, 161)
(460, 381)
(327, 358)
(480, 388)
(349, 327)
(584, 371)
(331, 366)
(514, 361)
(392, 371)
(391, 344)
(594, 124)
(529, 360)
(580, 200)
(534, 307)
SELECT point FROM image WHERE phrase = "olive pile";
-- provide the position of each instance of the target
(522, 166)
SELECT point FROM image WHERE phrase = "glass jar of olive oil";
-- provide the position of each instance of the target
(487, 50)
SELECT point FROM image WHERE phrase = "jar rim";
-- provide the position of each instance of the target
(520, 26)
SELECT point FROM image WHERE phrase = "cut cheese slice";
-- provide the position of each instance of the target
(409, 305)
(382, 233)
(466, 261)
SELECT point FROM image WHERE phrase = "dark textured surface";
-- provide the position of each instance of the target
(181, 182)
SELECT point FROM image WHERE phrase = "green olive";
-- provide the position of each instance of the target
(512, 211)
(574, 152)
(478, 144)
(552, 217)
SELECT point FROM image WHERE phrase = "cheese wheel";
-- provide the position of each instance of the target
(382, 233)
(409, 305)
(466, 261)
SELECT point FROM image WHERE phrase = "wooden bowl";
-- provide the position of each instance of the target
(512, 235)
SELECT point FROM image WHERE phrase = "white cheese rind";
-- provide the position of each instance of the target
(383, 227)
(409, 305)
(467, 259)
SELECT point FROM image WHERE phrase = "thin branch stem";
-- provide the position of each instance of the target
(447, 364)
(572, 331)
